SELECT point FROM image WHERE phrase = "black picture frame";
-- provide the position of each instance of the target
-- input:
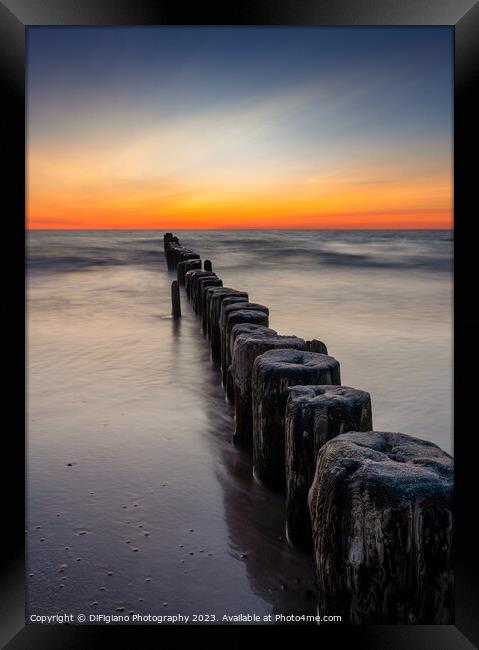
(15, 17)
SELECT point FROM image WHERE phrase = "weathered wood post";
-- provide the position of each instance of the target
(195, 282)
(208, 294)
(175, 299)
(239, 316)
(229, 300)
(175, 255)
(207, 265)
(167, 237)
(314, 415)
(169, 245)
(250, 329)
(237, 331)
(273, 372)
(184, 267)
(316, 346)
(226, 302)
(173, 250)
(203, 283)
(190, 277)
(227, 311)
(215, 315)
(196, 293)
(244, 350)
(189, 254)
(381, 509)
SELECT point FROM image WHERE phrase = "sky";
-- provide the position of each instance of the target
(191, 127)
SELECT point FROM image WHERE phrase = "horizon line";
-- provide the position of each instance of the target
(169, 228)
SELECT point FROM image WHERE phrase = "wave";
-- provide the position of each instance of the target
(420, 250)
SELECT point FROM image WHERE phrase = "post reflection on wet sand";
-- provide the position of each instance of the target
(279, 574)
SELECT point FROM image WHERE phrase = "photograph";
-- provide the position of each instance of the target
(239, 336)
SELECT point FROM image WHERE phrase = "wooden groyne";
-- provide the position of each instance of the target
(374, 508)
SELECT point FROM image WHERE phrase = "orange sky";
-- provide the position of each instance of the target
(92, 196)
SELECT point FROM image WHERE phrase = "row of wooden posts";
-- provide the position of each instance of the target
(374, 508)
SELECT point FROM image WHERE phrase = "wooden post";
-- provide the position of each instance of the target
(206, 281)
(167, 237)
(187, 265)
(208, 294)
(234, 318)
(381, 509)
(190, 281)
(314, 415)
(172, 252)
(316, 346)
(215, 314)
(225, 330)
(198, 282)
(244, 350)
(207, 265)
(189, 254)
(273, 372)
(175, 299)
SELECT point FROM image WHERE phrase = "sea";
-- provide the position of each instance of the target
(138, 504)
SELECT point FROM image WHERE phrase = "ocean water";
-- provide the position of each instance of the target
(137, 502)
